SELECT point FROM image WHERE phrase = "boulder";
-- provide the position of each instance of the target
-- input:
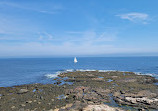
(21, 91)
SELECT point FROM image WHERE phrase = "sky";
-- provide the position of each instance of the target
(54, 28)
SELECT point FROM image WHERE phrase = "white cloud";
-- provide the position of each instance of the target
(40, 37)
(45, 36)
(48, 12)
(74, 32)
(47, 8)
(92, 36)
(105, 36)
(135, 17)
(66, 49)
(85, 43)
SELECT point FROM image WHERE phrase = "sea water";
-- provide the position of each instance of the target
(18, 71)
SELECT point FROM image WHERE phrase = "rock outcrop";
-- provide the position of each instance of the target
(88, 91)
(143, 98)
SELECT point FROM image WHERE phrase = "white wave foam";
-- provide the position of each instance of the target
(150, 74)
(51, 75)
(69, 70)
(138, 73)
(84, 70)
(57, 73)
(106, 70)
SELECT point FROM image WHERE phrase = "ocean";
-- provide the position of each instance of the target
(18, 71)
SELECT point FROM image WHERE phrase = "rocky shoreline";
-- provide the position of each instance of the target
(84, 91)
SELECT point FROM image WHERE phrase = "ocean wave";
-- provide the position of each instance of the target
(51, 75)
(106, 70)
(57, 73)
(69, 70)
(84, 70)
(138, 73)
(149, 74)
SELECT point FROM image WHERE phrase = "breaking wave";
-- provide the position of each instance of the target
(51, 75)
(149, 74)
(84, 70)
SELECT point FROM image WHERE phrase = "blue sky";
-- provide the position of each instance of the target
(31, 28)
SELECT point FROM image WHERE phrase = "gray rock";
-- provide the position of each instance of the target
(21, 91)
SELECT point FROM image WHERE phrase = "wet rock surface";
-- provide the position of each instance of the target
(84, 91)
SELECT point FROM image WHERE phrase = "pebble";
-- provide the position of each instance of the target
(28, 101)
(23, 105)
(13, 107)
